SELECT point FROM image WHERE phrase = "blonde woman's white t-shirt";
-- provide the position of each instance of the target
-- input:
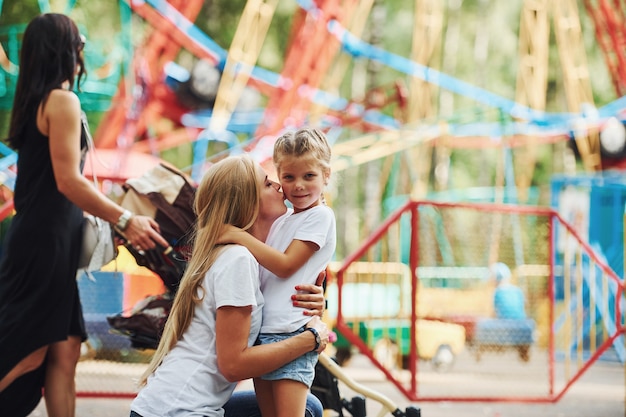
(188, 382)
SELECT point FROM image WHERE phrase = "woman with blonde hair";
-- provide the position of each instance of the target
(208, 341)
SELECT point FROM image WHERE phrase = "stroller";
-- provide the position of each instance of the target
(166, 194)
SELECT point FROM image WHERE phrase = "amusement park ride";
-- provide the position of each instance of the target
(324, 38)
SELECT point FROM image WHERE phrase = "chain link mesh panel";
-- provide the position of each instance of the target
(474, 284)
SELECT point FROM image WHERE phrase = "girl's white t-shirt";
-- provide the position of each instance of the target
(316, 225)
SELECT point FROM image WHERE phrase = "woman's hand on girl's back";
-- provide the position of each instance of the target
(311, 298)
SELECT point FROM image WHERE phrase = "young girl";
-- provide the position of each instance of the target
(300, 245)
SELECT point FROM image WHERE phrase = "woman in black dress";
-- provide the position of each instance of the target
(41, 322)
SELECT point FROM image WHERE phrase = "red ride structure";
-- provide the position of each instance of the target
(133, 111)
(609, 18)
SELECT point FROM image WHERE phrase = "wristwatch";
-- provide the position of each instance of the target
(122, 222)
(318, 340)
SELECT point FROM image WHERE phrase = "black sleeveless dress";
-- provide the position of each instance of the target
(39, 300)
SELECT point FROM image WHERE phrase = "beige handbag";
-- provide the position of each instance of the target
(98, 246)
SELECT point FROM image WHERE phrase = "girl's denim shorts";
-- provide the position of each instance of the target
(301, 369)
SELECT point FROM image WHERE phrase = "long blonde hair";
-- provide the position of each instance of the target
(229, 193)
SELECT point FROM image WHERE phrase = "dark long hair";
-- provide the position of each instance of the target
(50, 55)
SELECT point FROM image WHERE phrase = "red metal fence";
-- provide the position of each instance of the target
(417, 298)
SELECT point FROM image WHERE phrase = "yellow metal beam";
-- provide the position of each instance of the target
(576, 77)
(534, 38)
(532, 81)
(377, 145)
(426, 38)
(242, 56)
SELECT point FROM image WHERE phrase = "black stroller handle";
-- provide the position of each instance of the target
(167, 262)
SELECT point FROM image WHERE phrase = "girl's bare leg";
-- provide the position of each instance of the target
(289, 397)
(265, 397)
